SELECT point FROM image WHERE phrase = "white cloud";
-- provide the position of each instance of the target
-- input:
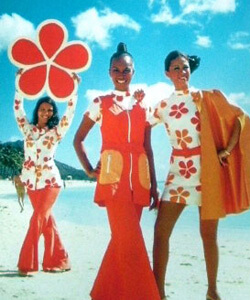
(239, 40)
(239, 98)
(203, 41)
(96, 27)
(12, 27)
(154, 93)
(213, 6)
(188, 9)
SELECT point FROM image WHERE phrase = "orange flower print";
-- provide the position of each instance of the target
(187, 169)
(178, 110)
(163, 104)
(170, 179)
(179, 195)
(196, 121)
(29, 141)
(183, 138)
(156, 114)
(49, 141)
(198, 188)
(38, 171)
(64, 122)
(21, 122)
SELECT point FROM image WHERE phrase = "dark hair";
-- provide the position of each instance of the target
(54, 120)
(194, 61)
(121, 51)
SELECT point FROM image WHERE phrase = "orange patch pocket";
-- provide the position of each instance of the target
(144, 175)
(111, 167)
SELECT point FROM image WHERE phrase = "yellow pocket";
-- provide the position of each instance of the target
(144, 175)
(111, 167)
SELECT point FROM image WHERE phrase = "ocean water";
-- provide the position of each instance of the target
(76, 205)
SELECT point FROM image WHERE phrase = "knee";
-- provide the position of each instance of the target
(208, 236)
(161, 232)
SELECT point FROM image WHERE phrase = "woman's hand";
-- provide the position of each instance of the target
(139, 95)
(94, 173)
(154, 198)
(223, 155)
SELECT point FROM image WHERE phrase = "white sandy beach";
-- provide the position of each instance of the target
(86, 246)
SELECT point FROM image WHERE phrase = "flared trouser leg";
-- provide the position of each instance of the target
(40, 222)
(55, 255)
(125, 272)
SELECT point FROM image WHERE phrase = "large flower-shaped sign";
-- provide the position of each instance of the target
(49, 63)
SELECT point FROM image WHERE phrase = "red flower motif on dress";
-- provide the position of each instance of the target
(51, 182)
(196, 121)
(21, 122)
(28, 164)
(17, 104)
(49, 63)
(179, 195)
(178, 110)
(48, 141)
(139, 95)
(183, 138)
(187, 169)
(28, 184)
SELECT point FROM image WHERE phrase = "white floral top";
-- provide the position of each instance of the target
(39, 169)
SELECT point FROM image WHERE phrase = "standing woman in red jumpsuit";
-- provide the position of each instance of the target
(125, 184)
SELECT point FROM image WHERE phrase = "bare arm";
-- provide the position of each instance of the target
(82, 132)
(223, 154)
(150, 155)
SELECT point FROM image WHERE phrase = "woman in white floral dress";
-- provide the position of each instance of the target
(181, 116)
(42, 180)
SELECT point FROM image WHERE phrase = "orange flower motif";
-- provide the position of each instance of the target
(163, 104)
(21, 122)
(182, 138)
(38, 171)
(49, 141)
(179, 195)
(64, 121)
(170, 179)
(29, 142)
(178, 110)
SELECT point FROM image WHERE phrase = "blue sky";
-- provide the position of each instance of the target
(216, 30)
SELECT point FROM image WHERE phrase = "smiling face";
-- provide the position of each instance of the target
(45, 112)
(121, 72)
(179, 73)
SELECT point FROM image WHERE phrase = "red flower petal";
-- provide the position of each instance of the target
(73, 57)
(26, 52)
(51, 37)
(61, 84)
(32, 81)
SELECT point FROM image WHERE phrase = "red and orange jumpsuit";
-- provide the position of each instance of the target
(124, 188)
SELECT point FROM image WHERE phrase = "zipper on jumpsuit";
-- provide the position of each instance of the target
(131, 157)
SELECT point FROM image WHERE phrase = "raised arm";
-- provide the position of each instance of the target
(79, 138)
(20, 116)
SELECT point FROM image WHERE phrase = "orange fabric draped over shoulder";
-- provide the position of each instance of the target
(225, 190)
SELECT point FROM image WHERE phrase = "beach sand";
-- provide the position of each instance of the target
(86, 246)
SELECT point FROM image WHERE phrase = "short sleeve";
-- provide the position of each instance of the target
(94, 110)
(157, 114)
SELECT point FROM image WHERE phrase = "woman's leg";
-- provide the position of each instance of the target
(208, 230)
(167, 216)
(125, 272)
(55, 256)
(28, 259)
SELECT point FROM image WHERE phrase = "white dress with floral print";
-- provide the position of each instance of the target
(181, 118)
(39, 169)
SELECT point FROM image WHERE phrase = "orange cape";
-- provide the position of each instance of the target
(225, 190)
